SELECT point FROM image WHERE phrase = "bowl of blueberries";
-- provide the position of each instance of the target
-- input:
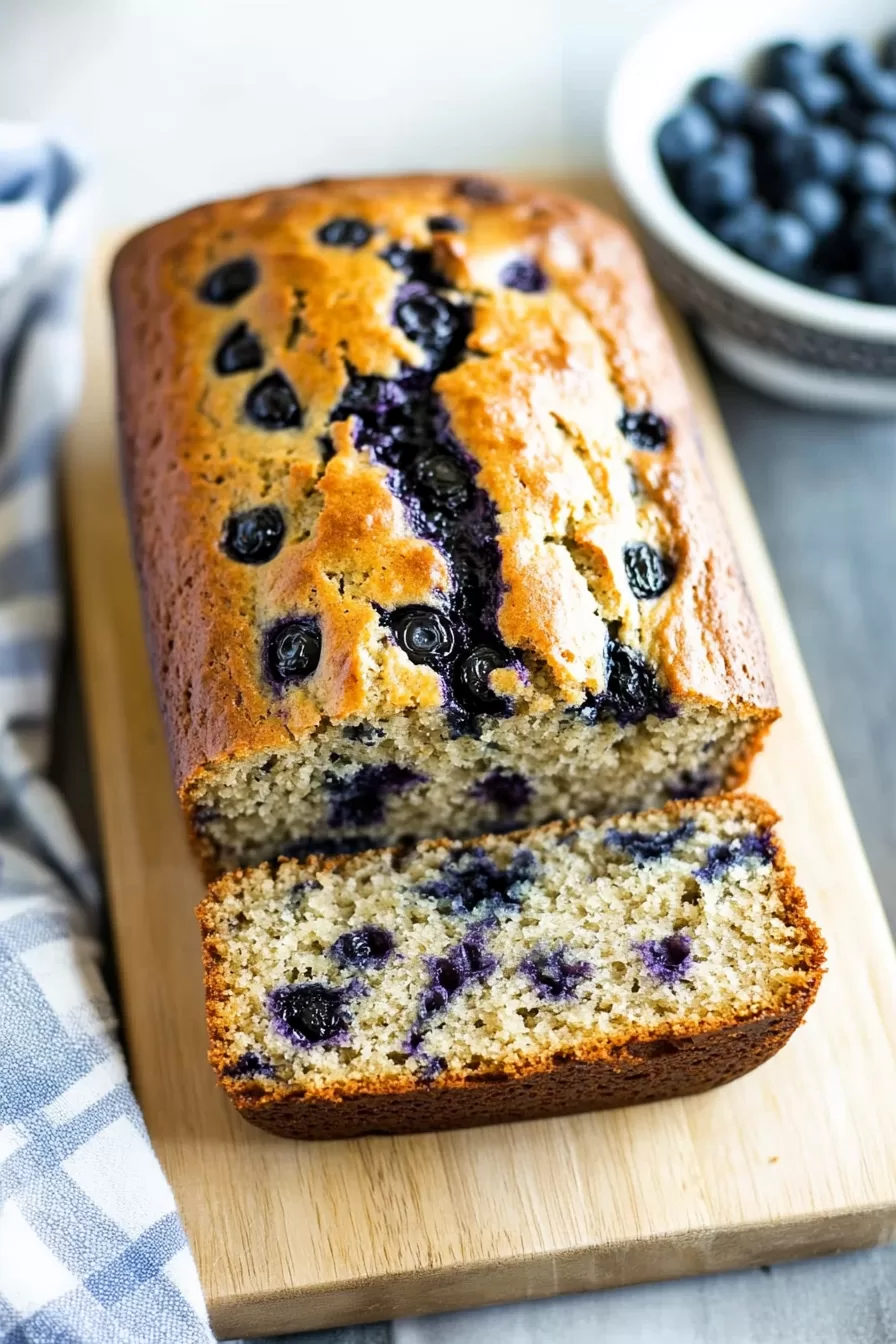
(756, 147)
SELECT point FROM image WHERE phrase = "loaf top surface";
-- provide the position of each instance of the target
(396, 444)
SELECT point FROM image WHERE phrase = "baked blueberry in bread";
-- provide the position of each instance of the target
(569, 967)
(426, 543)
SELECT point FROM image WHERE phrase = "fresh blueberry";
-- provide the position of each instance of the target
(685, 135)
(881, 126)
(888, 51)
(371, 946)
(879, 271)
(742, 228)
(716, 183)
(255, 536)
(554, 975)
(481, 190)
(724, 99)
(432, 322)
(291, 650)
(819, 204)
(473, 681)
(524, 274)
(309, 1014)
(445, 224)
(239, 351)
(425, 635)
(359, 800)
(669, 958)
(847, 286)
(345, 232)
(644, 846)
(784, 246)
(229, 282)
(644, 429)
(786, 60)
(825, 152)
(849, 59)
(272, 404)
(818, 94)
(736, 146)
(876, 90)
(873, 171)
(771, 111)
(872, 218)
(649, 574)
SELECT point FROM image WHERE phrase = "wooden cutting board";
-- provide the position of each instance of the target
(798, 1158)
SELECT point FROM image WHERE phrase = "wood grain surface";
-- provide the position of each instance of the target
(793, 1160)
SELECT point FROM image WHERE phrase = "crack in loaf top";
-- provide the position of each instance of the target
(352, 402)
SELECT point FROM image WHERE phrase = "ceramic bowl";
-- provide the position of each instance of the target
(791, 341)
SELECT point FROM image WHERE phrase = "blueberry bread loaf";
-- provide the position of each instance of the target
(571, 967)
(426, 543)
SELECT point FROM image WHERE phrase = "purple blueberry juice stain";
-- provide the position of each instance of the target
(631, 693)
(643, 846)
(524, 274)
(403, 426)
(311, 1014)
(668, 959)
(367, 948)
(359, 799)
(250, 1065)
(555, 975)
(471, 883)
(720, 858)
(506, 790)
(468, 962)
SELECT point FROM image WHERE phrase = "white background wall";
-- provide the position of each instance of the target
(180, 100)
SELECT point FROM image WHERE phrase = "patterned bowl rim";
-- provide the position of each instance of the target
(693, 38)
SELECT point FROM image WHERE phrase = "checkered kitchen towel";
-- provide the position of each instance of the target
(91, 1246)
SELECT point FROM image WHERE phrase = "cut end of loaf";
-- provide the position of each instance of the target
(573, 966)
(362, 786)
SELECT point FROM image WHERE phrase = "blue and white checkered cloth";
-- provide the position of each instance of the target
(91, 1245)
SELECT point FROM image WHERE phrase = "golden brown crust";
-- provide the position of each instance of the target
(537, 413)
(680, 1060)
(673, 1065)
